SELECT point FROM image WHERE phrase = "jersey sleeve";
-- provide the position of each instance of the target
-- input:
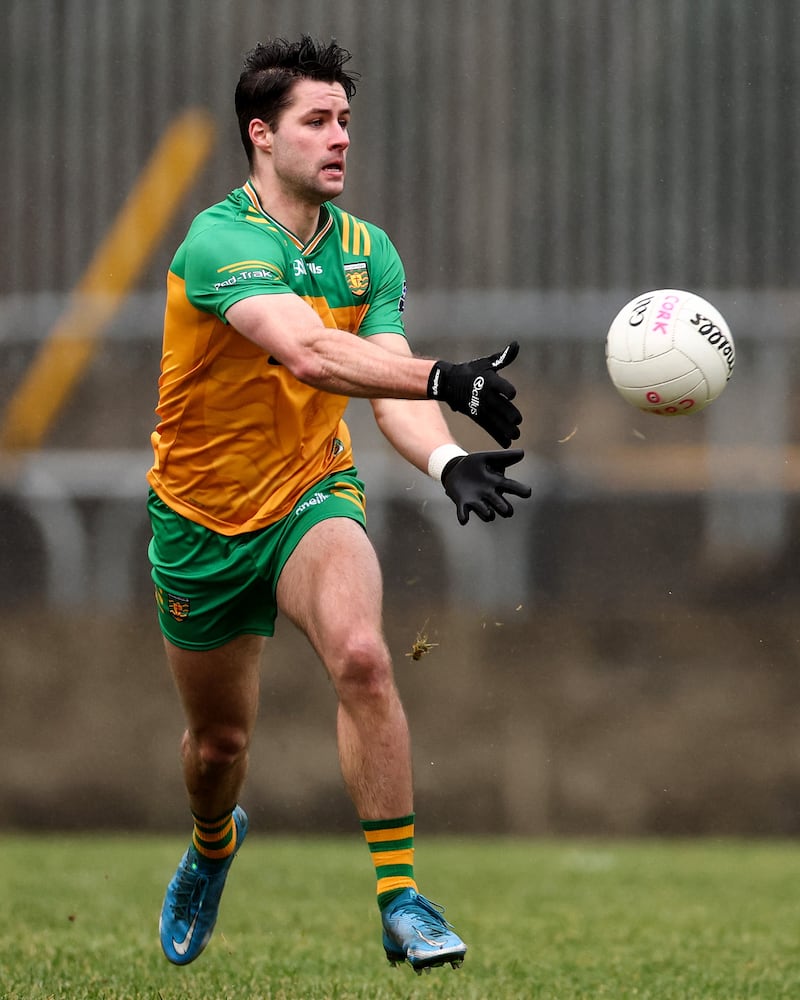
(225, 263)
(385, 314)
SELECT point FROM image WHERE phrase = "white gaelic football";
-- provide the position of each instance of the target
(669, 352)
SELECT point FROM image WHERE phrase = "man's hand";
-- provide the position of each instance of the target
(477, 483)
(476, 389)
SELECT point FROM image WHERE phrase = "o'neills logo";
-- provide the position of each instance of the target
(475, 398)
(313, 501)
(435, 384)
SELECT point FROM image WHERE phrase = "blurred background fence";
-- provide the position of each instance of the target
(621, 656)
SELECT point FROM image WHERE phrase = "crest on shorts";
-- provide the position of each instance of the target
(357, 276)
(178, 607)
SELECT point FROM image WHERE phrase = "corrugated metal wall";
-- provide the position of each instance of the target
(551, 144)
(537, 162)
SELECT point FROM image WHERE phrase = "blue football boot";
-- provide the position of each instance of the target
(192, 900)
(415, 931)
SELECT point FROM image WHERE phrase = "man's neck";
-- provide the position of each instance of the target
(300, 218)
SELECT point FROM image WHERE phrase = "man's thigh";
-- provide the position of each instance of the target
(331, 584)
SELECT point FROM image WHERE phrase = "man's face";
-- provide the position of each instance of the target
(309, 145)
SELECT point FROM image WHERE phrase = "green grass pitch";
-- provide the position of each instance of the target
(556, 920)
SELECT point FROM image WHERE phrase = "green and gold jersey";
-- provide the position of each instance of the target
(239, 438)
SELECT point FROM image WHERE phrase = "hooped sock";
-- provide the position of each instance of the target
(214, 839)
(391, 844)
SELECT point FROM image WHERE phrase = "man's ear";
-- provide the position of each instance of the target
(260, 135)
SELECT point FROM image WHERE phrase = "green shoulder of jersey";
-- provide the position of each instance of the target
(233, 250)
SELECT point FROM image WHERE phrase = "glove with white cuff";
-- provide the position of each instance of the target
(476, 483)
(476, 389)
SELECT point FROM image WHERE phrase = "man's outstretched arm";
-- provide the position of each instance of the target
(292, 334)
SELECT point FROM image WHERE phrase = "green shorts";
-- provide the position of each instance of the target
(212, 587)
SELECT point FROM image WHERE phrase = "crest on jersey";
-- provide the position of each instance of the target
(357, 276)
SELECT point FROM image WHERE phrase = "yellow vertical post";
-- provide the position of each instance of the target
(72, 343)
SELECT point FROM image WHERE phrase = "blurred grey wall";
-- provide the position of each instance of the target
(622, 655)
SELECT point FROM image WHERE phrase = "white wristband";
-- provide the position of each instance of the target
(439, 458)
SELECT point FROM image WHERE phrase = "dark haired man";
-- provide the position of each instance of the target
(281, 306)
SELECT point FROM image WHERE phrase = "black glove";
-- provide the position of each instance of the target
(475, 388)
(477, 483)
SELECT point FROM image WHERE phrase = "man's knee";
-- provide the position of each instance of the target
(220, 747)
(364, 668)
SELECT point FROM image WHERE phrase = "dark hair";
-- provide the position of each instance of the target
(273, 67)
